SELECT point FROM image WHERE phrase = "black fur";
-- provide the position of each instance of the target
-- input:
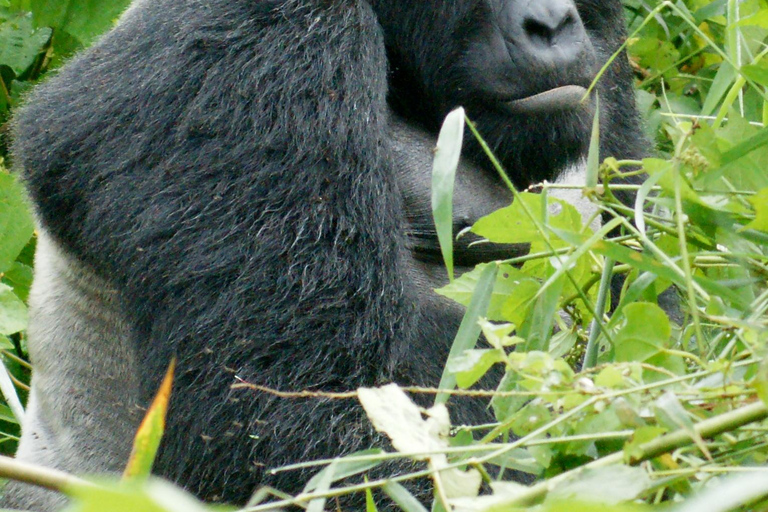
(227, 165)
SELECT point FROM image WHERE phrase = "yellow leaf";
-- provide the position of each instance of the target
(151, 430)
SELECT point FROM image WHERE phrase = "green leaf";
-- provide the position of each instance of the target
(505, 406)
(610, 485)
(755, 72)
(19, 277)
(537, 330)
(519, 300)
(512, 224)
(745, 147)
(593, 158)
(645, 332)
(723, 79)
(760, 203)
(643, 435)
(346, 468)
(471, 365)
(323, 484)
(512, 293)
(83, 19)
(519, 459)
(16, 224)
(402, 497)
(446, 162)
(644, 337)
(20, 41)
(645, 262)
(370, 504)
(672, 415)
(13, 312)
(145, 496)
(469, 330)
(516, 223)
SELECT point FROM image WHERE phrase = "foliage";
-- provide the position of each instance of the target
(663, 409)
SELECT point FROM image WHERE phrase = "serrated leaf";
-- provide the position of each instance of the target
(517, 223)
(511, 292)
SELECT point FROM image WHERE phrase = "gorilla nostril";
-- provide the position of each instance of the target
(544, 28)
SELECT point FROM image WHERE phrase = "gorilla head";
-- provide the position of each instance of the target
(244, 184)
(519, 67)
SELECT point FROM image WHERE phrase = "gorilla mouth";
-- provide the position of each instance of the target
(559, 98)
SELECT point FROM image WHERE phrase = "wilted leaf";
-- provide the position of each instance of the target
(393, 413)
(151, 430)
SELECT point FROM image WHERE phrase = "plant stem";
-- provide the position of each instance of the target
(40, 476)
(590, 356)
(647, 451)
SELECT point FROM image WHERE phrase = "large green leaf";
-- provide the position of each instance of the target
(16, 225)
(20, 41)
(83, 19)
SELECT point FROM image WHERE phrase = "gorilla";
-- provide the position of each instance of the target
(244, 185)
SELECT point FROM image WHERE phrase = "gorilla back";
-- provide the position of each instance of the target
(244, 184)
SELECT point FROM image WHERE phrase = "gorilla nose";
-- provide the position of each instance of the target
(552, 30)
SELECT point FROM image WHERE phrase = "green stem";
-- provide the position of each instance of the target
(647, 451)
(590, 356)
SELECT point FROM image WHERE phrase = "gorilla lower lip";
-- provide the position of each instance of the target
(559, 98)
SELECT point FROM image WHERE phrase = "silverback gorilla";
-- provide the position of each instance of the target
(244, 184)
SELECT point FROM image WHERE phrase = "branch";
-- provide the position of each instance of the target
(40, 476)
(647, 451)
